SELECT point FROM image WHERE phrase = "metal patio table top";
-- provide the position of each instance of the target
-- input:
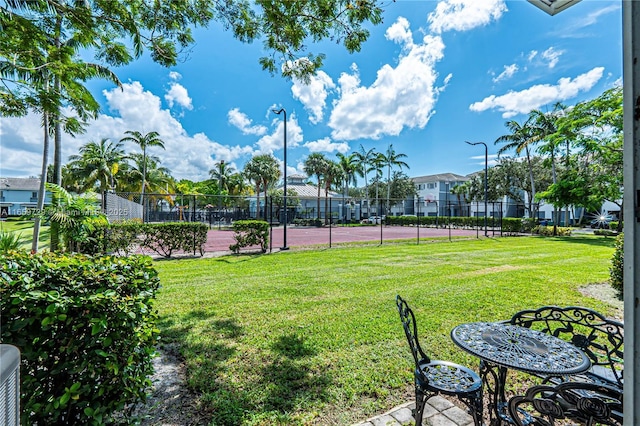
(520, 348)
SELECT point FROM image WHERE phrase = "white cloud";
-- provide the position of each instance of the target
(178, 94)
(174, 75)
(464, 15)
(583, 21)
(325, 145)
(532, 55)
(524, 101)
(241, 121)
(132, 108)
(508, 72)
(400, 97)
(313, 94)
(552, 56)
(275, 141)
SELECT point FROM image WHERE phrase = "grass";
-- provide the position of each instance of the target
(314, 337)
(24, 228)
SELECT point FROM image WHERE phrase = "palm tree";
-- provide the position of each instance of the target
(97, 163)
(316, 164)
(391, 159)
(521, 138)
(157, 177)
(143, 141)
(221, 174)
(377, 164)
(364, 160)
(332, 173)
(262, 170)
(350, 168)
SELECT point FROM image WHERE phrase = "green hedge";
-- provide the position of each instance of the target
(85, 327)
(250, 233)
(162, 238)
(616, 271)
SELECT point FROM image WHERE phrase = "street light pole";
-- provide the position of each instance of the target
(284, 112)
(486, 163)
(220, 194)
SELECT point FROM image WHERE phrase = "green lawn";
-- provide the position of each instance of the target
(25, 229)
(314, 337)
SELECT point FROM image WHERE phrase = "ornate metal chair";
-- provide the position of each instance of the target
(602, 339)
(434, 377)
(586, 403)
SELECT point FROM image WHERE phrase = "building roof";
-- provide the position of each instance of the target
(20, 184)
(441, 177)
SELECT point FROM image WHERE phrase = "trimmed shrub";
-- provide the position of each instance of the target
(547, 231)
(162, 238)
(511, 225)
(616, 271)
(250, 233)
(85, 327)
(166, 238)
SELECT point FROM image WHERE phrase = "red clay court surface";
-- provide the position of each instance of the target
(220, 240)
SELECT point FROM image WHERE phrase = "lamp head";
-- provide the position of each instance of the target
(278, 111)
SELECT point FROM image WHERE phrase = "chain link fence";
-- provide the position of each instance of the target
(334, 217)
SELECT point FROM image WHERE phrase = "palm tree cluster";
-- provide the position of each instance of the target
(342, 173)
(104, 165)
(569, 156)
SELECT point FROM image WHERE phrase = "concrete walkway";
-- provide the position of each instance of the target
(437, 412)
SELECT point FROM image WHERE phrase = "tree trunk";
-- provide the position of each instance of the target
(42, 188)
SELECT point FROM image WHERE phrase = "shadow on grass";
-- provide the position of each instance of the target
(238, 381)
(589, 240)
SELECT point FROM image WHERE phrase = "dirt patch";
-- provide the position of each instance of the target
(170, 402)
(607, 294)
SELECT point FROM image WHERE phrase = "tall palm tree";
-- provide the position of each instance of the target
(365, 159)
(221, 174)
(157, 177)
(97, 163)
(316, 164)
(521, 138)
(143, 141)
(332, 174)
(393, 159)
(350, 169)
(377, 165)
(262, 170)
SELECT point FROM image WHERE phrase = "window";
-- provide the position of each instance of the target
(431, 186)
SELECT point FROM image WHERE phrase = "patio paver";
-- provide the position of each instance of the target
(438, 412)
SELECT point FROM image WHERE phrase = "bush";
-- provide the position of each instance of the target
(616, 271)
(85, 327)
(9, 241)
(162, 238)
(166, 238)
(250, 233)
(547, 231)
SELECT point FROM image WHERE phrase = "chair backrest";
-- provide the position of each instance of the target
(602, 339)
(411, 331)
(587, 403)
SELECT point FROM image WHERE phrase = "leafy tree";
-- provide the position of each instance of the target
(315, 165)
(262, 170)
(221, 174)
(350, 169)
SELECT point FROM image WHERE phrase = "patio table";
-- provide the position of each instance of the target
(501, 346)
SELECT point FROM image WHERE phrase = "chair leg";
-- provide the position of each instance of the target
(420, 401)
(477, 409)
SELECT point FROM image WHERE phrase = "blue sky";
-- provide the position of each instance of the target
(433, 75)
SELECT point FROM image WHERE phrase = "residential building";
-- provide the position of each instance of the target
(434, 195)
(18, 196)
